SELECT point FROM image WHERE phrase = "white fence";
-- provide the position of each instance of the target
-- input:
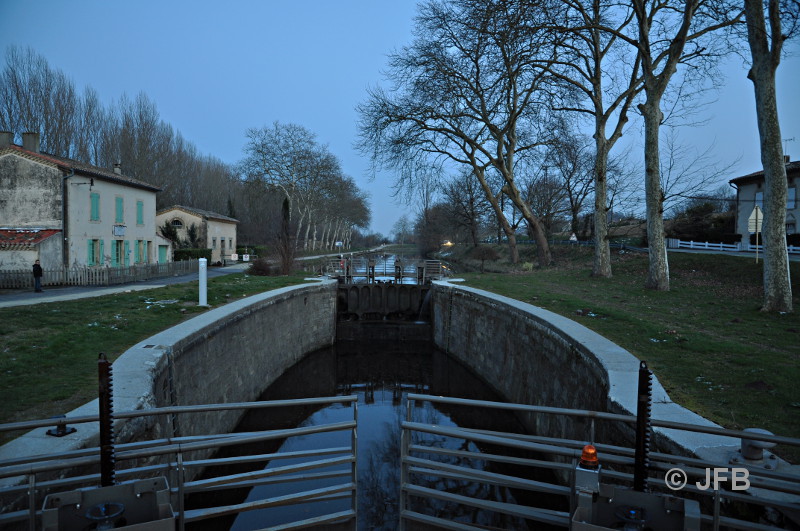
(674, 243)
(96, 276)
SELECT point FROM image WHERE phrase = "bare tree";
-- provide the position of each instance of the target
(571, 159)
(467, 204)
(766, 46)
(687, 171)
(605, 71)
(469, 89)
(669, 33)
(38, 98)
(402, 229)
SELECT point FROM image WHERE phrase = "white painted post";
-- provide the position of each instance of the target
(203, 273)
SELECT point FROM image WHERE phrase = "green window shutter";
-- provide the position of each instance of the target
(119, 209)
(90, 253)
(94, 214)
(114, 244)
(136, 256)
(127, 252)
(139, 213)
(102, 254)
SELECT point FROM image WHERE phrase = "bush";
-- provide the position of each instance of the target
(191, 254)
(791, 239)
(262, 267)
(483, 253)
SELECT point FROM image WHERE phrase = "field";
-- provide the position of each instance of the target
(705, 339)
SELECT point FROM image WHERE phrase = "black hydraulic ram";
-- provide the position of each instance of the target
(106, 392)
(641, 462)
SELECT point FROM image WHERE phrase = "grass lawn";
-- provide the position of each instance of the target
(48, 352)
(705, 339)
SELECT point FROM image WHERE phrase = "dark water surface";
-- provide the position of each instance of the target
(381, 375)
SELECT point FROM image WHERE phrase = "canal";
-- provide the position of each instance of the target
(381, 374)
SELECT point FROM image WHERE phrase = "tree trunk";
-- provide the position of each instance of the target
(501, 217)
(777, 280)
(658, 271)
(602, 252)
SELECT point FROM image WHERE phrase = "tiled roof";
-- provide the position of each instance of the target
(791, 168)
(78, 167)
(24, 238)
(198, 212)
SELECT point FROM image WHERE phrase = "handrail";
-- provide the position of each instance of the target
(332, 462)
(769, 487)
(172, 410)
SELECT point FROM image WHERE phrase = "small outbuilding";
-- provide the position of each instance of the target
(213, 230)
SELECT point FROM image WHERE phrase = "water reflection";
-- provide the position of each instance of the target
(380, 375)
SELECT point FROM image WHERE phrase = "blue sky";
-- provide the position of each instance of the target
(215, 69)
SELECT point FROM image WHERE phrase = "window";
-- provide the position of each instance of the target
(230, 243)
(94, 199)
(178, 224)
(214, 243)
(117, 256)
(222, 244)
(95, 255)
(760, 200)
(140, 212)
(790, 199)
(120, 211)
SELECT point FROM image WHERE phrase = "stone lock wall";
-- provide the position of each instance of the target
(533, 356)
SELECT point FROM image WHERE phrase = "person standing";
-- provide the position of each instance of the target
(37, 277)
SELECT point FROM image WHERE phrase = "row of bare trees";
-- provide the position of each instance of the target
(324, 205)
(488, 86)
(327, 204)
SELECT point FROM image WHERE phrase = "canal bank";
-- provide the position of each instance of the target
(232, 353)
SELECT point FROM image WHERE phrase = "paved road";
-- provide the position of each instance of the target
(9, 298)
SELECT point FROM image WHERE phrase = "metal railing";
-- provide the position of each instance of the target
(97, 276)
(428, 468)
(177, 459)
(424, 464)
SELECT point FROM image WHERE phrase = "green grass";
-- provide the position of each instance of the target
(48, 352)
(705, 339)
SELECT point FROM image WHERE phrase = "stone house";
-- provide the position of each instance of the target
(216, 231)
(71, 214)
(750, 192)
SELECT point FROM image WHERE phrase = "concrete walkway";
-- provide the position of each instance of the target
(10, 298)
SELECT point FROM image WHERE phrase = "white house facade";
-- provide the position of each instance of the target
(93, 216)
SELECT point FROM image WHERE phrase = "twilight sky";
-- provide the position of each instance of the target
(215, 69)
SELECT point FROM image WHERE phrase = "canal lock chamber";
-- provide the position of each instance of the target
(519, 353)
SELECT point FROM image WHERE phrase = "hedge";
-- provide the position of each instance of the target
(191, 254)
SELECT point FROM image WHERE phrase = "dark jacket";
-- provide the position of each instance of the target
(37, 270)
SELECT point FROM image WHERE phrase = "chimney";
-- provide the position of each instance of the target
(118, 168)
(6, 138)
(786, 159)
(30, 141)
